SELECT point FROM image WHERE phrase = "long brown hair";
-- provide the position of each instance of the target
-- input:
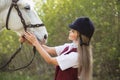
(85, 59)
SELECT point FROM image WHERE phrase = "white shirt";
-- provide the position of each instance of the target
(64, 60)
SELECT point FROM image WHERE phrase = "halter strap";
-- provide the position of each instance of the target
(7, 19)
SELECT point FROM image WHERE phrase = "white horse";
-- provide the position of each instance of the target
(29, 15)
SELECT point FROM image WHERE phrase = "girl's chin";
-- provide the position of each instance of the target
(70, 39)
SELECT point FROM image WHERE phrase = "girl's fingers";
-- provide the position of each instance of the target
(22, 39)
(28, 34)
(30, 37)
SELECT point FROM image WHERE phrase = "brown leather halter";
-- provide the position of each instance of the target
(14, 4)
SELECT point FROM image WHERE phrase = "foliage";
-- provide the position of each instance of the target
(57, 15)
(6, 76)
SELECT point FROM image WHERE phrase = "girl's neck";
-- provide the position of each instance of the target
(75, 42)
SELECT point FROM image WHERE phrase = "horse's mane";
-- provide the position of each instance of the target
(4, 3)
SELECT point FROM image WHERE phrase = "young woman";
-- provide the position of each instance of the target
(73, 61)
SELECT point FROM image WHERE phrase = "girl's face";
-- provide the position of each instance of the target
(73, 35)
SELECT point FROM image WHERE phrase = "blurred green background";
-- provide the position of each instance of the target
(57, 15)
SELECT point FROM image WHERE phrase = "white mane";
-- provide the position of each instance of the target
(4, 4)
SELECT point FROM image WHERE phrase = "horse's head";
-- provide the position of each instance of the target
(29, 15)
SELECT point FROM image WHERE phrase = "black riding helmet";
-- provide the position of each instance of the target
(84, 26)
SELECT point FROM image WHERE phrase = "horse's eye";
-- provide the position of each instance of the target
(27, 7)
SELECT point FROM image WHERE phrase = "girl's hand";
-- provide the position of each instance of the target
(22, 39)
(31, 38)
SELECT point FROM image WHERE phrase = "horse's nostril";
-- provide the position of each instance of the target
(45, 36)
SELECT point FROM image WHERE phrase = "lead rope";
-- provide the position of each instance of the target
(34, 51)
(2, 68)
(14, 54)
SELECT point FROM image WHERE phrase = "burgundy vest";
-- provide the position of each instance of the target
(68, 74)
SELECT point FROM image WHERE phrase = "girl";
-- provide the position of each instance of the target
(73, 61)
